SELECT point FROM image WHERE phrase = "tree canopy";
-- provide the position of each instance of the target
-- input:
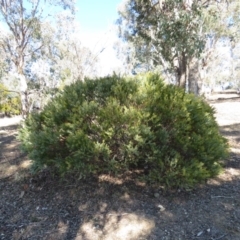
(37, 37)
(173, 33)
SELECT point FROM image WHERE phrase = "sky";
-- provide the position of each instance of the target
(96, 15)
(96, 19)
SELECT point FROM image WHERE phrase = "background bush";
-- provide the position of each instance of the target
(10, 103)
(114, 124)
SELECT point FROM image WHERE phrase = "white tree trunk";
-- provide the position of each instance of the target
(24, 95)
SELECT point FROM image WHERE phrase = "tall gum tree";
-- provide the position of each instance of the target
(171, 33)
(23, 40)
(222, 28)
(167, 30)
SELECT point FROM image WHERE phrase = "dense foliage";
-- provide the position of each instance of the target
(183, 144)
(10, 103)
(114, 124)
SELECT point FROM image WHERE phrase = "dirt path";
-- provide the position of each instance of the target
(43, 207)
(227, 113)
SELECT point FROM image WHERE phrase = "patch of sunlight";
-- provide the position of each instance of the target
(229, 174)
(111, 179)
(11, 169)
(214, 182)
(235, 150)
(233, 172)
(120, 180)
(103, 207)
(118, 227)
(125, 197)
(3, 131)
(26, 164)
(62, 227)
(4, 122)
(7, 170)
(140, 184)
(83, 207)
(11, 146)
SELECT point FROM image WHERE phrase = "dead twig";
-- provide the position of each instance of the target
(221, 197)
(117, 214)
(219, 237)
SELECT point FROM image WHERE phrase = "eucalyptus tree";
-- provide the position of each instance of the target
(172, 33)
(166, 32)
(27, 34)
(75, 60)
(222, 32)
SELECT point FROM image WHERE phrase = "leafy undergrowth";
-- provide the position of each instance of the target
(45, 207)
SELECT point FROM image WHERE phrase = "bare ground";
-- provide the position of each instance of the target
(106, 208)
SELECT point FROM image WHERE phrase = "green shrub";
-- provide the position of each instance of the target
(183, 145)
(10, 103)
(113, 124)
(91, 127)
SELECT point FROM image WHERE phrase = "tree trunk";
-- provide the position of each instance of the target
(195, 81)
(19, 63)
(24, 95)
(182, 80)
(182, 71)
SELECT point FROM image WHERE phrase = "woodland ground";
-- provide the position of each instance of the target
(106, 208)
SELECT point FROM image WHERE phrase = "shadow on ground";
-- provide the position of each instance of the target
(45, 207)
(232, 133)
(232, 130)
